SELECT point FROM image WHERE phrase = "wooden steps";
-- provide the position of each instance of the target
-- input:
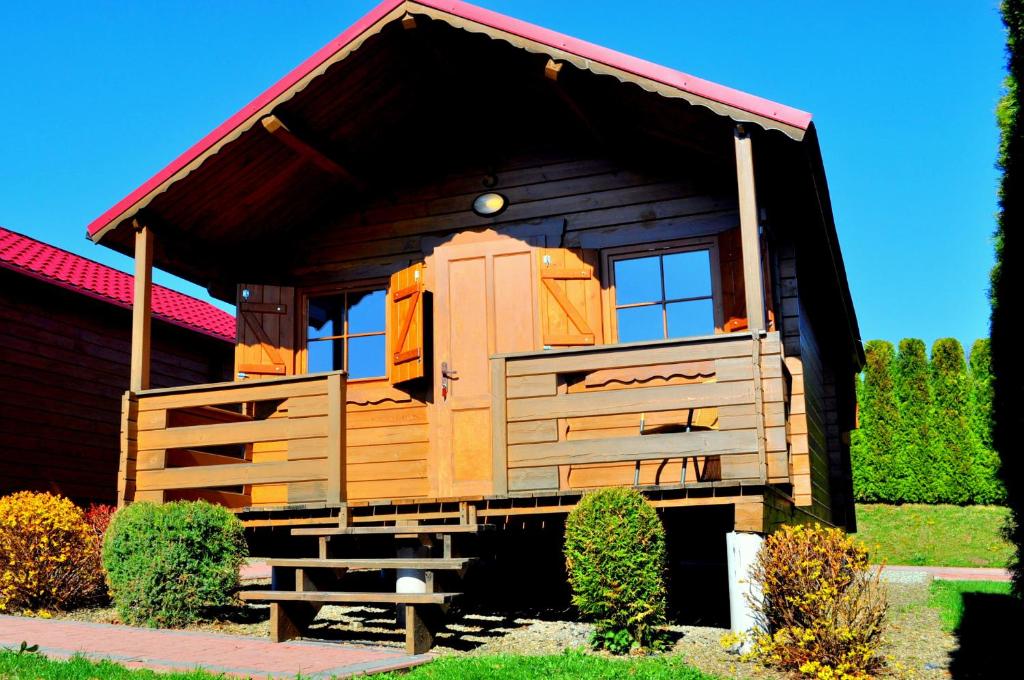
(335, 597)
(401, 529)
(425, 563)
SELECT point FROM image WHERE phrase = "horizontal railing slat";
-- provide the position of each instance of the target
(231, 475)
(274, 429)
(624, 449)
(639, 400)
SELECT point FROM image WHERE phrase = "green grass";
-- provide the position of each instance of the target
(569, 665)
(28, 666)
(935, 535)
(948, 598)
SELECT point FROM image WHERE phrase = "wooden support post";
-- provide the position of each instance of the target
(750, 238)
(336, 387)
(418, 635)
(142, 305)
(499, 428)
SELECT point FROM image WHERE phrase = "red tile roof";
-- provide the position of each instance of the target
(25, 255)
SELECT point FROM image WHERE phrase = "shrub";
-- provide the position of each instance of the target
(823, 610)
(917, 455)
(169, 565)
(98, 517)
(615, 557)
(49, 556)
(873, 448)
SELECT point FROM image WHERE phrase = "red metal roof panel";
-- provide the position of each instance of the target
(26, 255)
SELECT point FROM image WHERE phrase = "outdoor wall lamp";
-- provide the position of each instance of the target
(489, 204)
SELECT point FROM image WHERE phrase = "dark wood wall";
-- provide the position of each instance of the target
(64, 364)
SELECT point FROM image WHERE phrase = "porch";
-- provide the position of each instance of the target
(684, 414)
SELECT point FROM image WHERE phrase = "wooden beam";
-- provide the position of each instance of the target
(552, 69)
(753, 283)
(142, 306)
(408, 21)
(276, 127)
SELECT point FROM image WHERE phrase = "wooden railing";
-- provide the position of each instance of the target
(642, 413)
(198, 441)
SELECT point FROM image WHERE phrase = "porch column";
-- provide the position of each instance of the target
(750, 237)
(742, 548)
(142, 304)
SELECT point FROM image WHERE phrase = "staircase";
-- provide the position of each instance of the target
(301, 586)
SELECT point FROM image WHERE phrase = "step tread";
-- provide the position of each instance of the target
(394, 529)
(353, 597)
(437, 563)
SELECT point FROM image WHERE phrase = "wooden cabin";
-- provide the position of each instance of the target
(482, 267)
(65, 343)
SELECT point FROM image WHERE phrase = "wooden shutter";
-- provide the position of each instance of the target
(730, 264)
(570, 297)
(265, 344)
(405, 324)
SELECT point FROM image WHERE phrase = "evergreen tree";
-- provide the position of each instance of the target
(872, 448)
(986, 485)
(915, 455)
(1007, 284)
(951, 423)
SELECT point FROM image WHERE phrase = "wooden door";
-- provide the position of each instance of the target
(484, 303)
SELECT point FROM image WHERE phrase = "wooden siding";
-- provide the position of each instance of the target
(64, 364)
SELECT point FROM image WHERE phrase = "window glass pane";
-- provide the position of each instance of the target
(690, 318)
(640, 323)
(637, 280)
(323, 355)
(366, 311)
(324, 316)
(366, 357)
(687, 275)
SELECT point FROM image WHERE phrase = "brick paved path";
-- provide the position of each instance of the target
(174, 650)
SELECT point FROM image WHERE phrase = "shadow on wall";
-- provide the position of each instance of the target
(989, 637)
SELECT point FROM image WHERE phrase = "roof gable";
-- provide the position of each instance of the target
(42, 261)
(722, 100)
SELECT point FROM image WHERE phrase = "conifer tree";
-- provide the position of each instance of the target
(1007, 284)
(951, 423)
(915, 455)
(987, 488)
(872, 448)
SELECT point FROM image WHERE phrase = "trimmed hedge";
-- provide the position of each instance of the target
(169, 565)
(1007, 284)
(925, 426)
(615, 558)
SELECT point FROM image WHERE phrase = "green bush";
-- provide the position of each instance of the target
(874, 446)
(168, 565)
(615, 557)
(916, 455)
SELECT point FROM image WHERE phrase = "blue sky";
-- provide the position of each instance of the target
(99, 96)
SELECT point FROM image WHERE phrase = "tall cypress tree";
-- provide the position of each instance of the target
(872, 447)
(915, 454)
(986, 487)
(951, 422)
(1007, 283)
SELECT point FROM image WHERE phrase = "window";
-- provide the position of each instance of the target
(663, 295)
(346, 331)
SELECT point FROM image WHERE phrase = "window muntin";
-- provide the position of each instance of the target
(663, 295)
(346, 331)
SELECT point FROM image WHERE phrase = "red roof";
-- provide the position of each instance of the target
(684, 82)
(25, 255)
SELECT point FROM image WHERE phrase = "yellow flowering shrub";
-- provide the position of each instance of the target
(49, 555)
(823, 610)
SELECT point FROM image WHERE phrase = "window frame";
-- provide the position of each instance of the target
(306, 293)
(610, 256)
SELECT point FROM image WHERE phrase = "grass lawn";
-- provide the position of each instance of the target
(935, 535)
(948, 598)
(569, 665)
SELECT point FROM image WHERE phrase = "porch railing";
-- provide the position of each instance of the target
(202, 441)
(716, 406)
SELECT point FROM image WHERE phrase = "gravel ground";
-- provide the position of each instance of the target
(916, 641)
